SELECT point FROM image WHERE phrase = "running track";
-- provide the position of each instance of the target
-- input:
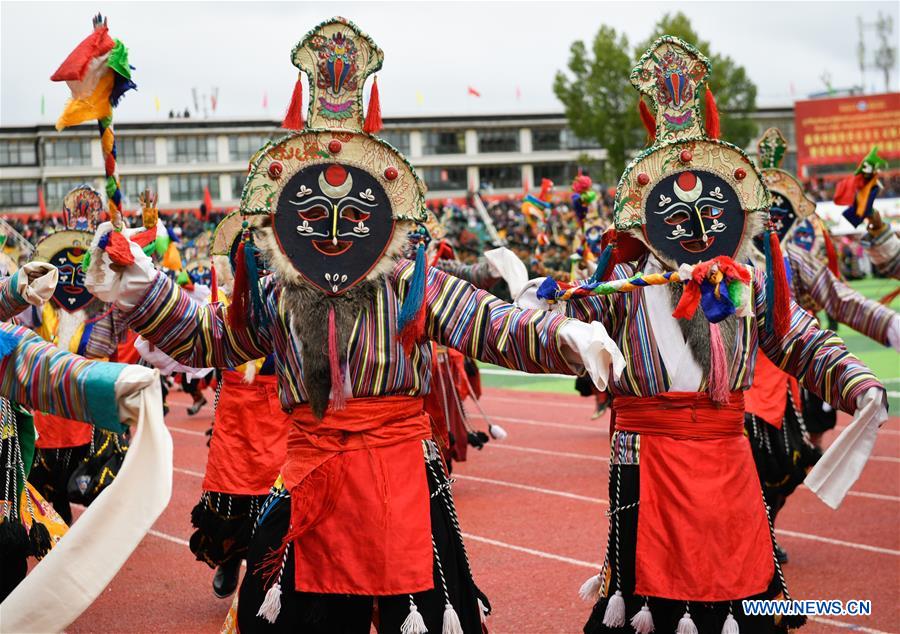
(532, 508)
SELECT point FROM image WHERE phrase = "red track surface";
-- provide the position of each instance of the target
(532, 508)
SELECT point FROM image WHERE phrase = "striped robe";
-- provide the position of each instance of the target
(11, 301)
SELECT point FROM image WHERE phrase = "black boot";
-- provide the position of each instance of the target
(781, 555)
(225, 581)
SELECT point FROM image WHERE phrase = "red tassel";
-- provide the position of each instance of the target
(373, 121)
(845, 191)
(240, 294)
(782, 309)
(719, 380)
(712, 115)
(648, 120)
(338, 401)
(293, 120)
(213, 285)
(414, 330)
(689, 301)
(119, 250)
(831, 253)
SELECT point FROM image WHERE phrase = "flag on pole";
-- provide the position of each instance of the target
(265, 103)
(207, 201)
(518, 93)
(420, 98)
(214, 98)
(474, 92)
(42, 105)
(42, 206)
(156, 103)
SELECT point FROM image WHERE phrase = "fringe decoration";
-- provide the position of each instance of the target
(338, 401)
(601, 274)
(8, 343)
(730, 626)
(548, 289)
(373, 121)
(648, 120)
(718, 369)
(411, 321)
(213, 285)
(712, 115)
(831, 253)
(293, 119)
(451, 621)
(590, 589)
(271, 605)
(642, 622)
(414, 622)
(614, 616)
(780, 300)
(240, 294)
(497, 432)
(686, 624)
(39, 539)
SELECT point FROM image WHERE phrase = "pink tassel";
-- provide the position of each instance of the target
(718, 367)
(337, 380)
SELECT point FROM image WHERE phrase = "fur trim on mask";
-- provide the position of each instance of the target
(696, 331)
(224, 274)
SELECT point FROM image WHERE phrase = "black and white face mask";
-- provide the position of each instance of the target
(334, 223)
(694, 216)
(70, 293)
(782, 216)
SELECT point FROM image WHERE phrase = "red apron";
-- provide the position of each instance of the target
(703, 534)
(56, 432)
(249, 441)
(767, 397)
(360, 518)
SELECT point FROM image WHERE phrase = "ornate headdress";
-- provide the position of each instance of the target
(790, 204)
(690, 196)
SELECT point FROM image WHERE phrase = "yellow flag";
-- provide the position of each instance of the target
(156, 103)
(420, 98)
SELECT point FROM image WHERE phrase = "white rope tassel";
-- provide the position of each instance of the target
(250, 372)
(497, 432)
(642, 622)
(730, 626)
(415, 622)
(271, 605)
(451, 621)
(615, 611)
(590, 589)
(482, 611)
(686, 624)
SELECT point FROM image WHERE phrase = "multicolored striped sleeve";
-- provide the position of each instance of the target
(11, 301)
(479, 325)
(479, 275)
(818, 358)
(884, 251)
(41, 376)
(609, 310)
(837, 299)
(197, 335)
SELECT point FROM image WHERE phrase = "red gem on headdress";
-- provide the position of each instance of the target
(686, 156)
(740, 173)
(687, 181)
(334, 146)
(643, 179)
(335, 175)
(275, 169)
(391, 173)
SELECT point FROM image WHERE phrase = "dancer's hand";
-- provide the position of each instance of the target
(122, 285)
(130, 383)
(36, 282)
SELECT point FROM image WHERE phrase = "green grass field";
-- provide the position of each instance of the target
(883, 361)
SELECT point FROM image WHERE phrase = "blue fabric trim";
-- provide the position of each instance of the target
(100, 394)
(14, 287)
(85, 337)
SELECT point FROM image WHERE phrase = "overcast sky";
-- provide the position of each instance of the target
(433, 51)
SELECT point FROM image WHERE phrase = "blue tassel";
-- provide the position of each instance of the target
(715, 309)
(36, 317)
(415, 294)
(251, 253)
(602, 264)
(770, 285)
(548, 289)
(8, 343)
(103, 241)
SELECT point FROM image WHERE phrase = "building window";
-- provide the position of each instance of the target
(14, 193)
(192, 149)
(500, 176)
(67, 152)
(237, 185)
(133, 186)
(498, 140)
(18, 153)
(189, 187)
(55, 190)
(443, 142)
(560, 173)
(243, 147)
(136, 150)
(572, 142)
(399, 140)
(444, 178)
(544, 139)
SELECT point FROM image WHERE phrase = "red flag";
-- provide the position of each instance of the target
(265, 101)
(207, 200)
(42, 214)
(474, 92)
(518, 92)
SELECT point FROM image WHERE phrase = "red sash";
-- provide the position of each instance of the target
(249, 444)
(702, 531)
(56, 432)
(360, 519)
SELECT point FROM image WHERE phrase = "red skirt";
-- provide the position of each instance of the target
(767, 397)
(249, 440)
(703, 534)
(56, 432)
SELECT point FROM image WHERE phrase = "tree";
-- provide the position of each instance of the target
(599, 100)
(735, 93)
(601, 103)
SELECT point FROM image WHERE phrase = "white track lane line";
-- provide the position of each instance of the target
(845, 625)
(539, 423)
(487, 399)
(196, 474)
(169, 538)
(525, 487)
(838, 542)
(548, 452)
(189, 432)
